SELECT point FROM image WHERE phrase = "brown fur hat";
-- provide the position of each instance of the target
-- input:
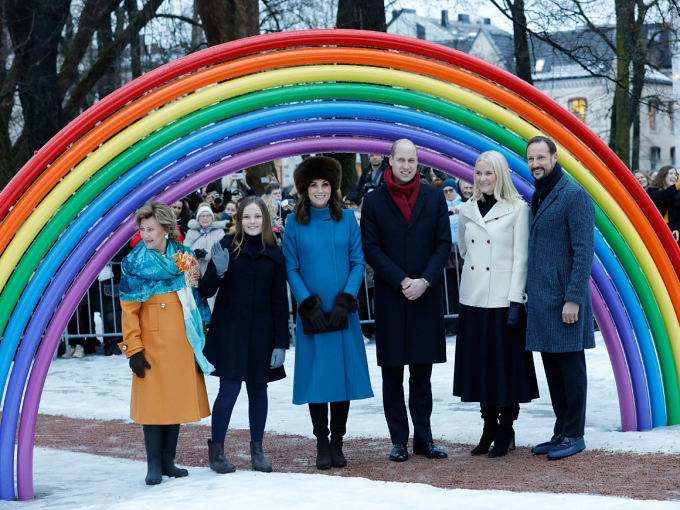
(318, 167)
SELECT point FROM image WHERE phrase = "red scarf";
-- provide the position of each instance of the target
(404, 195)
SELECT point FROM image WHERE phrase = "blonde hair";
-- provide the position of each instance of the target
(505, 189)
(163, 215)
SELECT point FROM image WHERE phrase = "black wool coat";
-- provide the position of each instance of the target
(407, 332)
(250, 317)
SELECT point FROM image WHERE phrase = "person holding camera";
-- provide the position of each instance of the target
(492, 367)
(325, 267)
(373, 176)
(204, 231)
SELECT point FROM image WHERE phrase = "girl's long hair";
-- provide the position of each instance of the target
(268, 238)
(659, 181)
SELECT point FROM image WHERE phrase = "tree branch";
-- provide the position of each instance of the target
(93, 12)
(108, 56)
(180, 18)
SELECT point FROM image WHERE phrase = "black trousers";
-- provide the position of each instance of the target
(419, 402)
(567, 382)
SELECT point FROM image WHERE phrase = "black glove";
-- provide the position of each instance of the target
(337, 315)
(200, 254)
(137, 364)
(318, 320)
(515, 314)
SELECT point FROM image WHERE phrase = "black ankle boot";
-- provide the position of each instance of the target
(217, 460)
(153, 442)
(168, 468)
(337, 457)
(490, 416)
(257, 459)
(505, 439)
(323, 453)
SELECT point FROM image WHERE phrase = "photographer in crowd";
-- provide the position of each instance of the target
(372, 176)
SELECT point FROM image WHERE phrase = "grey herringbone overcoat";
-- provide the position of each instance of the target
(561, 251)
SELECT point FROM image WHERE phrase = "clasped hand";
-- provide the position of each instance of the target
(413, 289)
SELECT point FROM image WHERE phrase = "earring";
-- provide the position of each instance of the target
(166, 236)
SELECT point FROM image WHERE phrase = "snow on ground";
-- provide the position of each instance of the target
(93, 482)
(99, 387)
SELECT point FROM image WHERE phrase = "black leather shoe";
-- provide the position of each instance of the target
(543, 448)
(429, 450)
(399, 453)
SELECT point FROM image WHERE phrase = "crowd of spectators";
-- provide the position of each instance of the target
(207, 215)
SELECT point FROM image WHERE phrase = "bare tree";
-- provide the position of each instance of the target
(228, 20)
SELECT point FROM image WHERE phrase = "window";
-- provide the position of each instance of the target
(671, 112)
(420, 31)
(540, 64)
(655, 157)
(578, 107)
(653, 109)
(673, 162)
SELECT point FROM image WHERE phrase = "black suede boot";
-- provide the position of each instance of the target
(170, 436)
(153, 442)
(217, 460)
(339, 414)
(319, 415)
(257, 459)
(490, 417)
(505, 439)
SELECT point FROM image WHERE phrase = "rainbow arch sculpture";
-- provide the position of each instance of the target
(70, 209)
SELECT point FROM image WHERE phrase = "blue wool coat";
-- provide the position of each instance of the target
(324, 258)
(561, 252)
(407, 332)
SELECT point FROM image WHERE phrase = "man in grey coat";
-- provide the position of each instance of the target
(560, 312)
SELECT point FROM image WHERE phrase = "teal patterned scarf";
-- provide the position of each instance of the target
(146, 273)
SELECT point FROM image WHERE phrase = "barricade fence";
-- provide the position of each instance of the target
(98, 315)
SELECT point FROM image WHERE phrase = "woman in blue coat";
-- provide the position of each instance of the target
(325, 267)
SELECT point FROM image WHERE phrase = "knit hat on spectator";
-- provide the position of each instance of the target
(204, 208)
(449, 183)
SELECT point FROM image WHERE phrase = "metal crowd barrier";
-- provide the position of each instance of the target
(108, 286)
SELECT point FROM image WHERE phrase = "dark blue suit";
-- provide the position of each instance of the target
(407, 332)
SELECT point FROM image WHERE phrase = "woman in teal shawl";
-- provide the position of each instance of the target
(163, 339)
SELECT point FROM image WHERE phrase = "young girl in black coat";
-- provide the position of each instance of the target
(249, 327)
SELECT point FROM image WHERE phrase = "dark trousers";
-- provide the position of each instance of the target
(224, 405)
(339, 414)
(567, 382)
(419, 402)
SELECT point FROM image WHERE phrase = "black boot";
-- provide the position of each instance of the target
(218, 462)
(505, 439)
(319, 415)
(490, 417)
(153, 442)
(339, 414)
(257, 459)
(170, 435)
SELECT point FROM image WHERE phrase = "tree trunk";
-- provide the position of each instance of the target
(228, 20)
(35, 28)
(521, 40)
(362, 15)
(107, 83)
(624, 16)
(135, 42)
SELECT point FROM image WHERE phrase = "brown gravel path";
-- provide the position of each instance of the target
(650, 476)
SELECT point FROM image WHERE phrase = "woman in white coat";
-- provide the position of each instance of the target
(492, 367)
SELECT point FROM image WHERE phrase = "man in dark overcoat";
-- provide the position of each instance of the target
(560, 312)
(407, 240)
